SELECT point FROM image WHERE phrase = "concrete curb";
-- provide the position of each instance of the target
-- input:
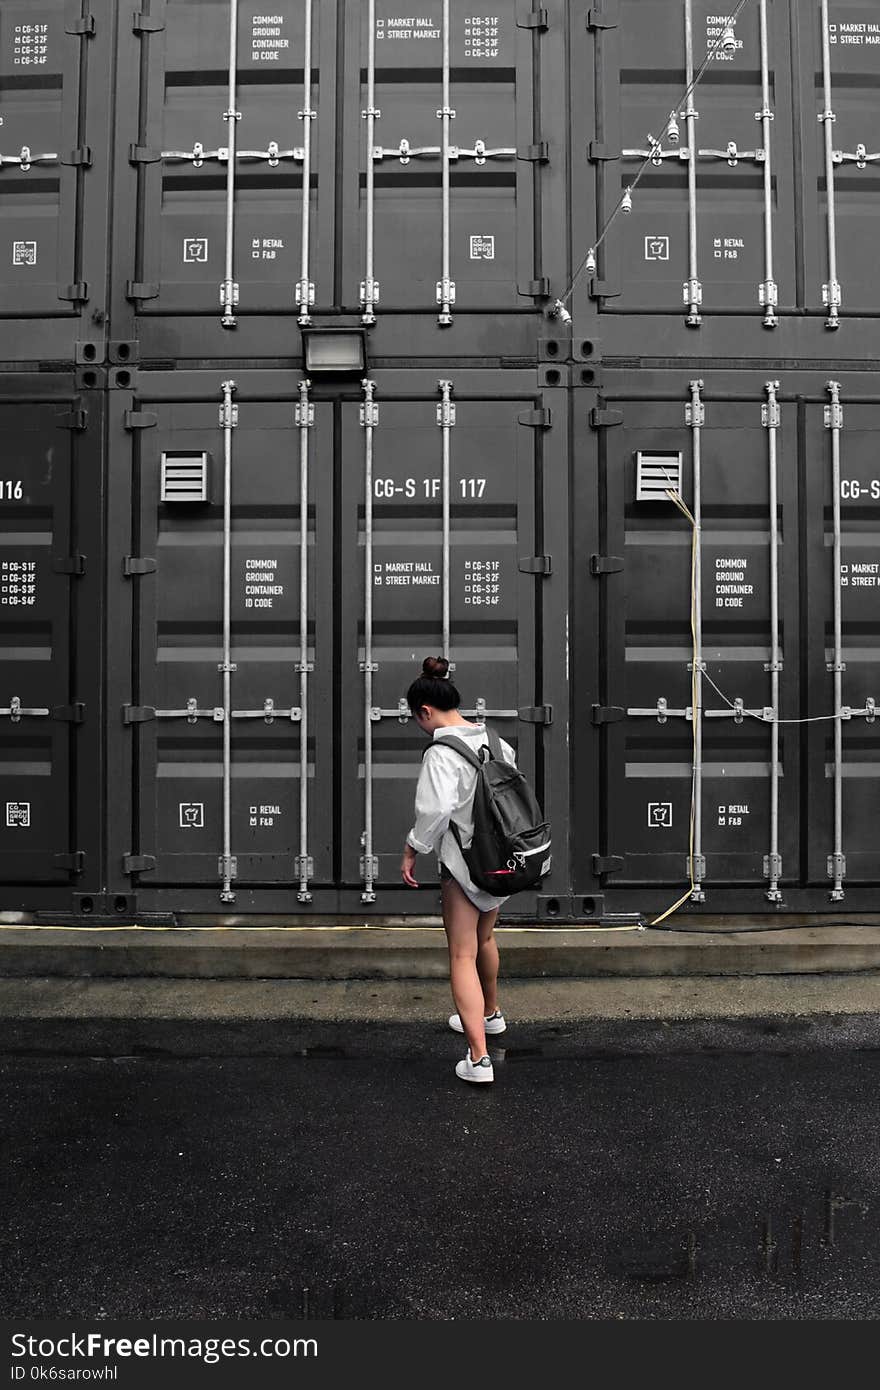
(389, 953)
(129, 1000)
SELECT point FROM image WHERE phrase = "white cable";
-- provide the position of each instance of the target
(812, 719)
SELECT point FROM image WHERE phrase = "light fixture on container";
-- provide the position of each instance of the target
(334, 351)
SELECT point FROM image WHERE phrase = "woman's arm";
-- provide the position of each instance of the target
(436, 799)
(407, 864)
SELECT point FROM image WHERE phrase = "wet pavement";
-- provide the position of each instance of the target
(655, 1169)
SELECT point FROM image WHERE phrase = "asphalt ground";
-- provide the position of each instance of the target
(618, 1168)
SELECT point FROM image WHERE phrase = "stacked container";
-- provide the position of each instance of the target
(735, 309)
(223, 566)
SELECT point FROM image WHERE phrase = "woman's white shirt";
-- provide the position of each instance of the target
(445, 791)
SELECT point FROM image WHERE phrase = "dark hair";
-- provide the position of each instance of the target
(433, 686)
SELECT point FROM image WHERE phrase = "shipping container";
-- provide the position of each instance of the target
(753, 192)
(51, 575)
(713, 183)
(776, 607)
(55, 99)
(282, 557)
(288, 163)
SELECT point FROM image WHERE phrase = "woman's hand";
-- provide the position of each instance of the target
(407, 864)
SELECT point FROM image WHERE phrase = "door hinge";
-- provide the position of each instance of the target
(138, 863)
(535, 419)
(607, 714)
(138, 564)
(146, 23)
(535, 288)
(535, 19)
(605, 564)
(142, 154)
(137, 714)
(535, 564)
(607, 863)
(601, 419)
(84, 26)
(69, 564)
(535, 154)
(80, 158)
(603, 289)
(603, 16)
(70, 714)
(139, 420)
(536, 714)
(74, 292)
(141, 289)
(73, 863)
(75, 419)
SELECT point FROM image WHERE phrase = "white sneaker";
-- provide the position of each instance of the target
(475, 1071)
(494, 1023)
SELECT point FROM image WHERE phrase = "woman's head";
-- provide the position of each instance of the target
(432, 690)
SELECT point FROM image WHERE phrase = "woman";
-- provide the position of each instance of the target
(445, 792)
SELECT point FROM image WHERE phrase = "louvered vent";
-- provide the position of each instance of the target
(655, 475)
(184, 477)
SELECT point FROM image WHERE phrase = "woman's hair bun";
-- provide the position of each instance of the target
(433, 687)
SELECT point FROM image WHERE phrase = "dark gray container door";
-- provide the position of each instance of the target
(840, 234)
(36, 490)
(488, 229)
(182, 152)
(177, 712)
(857, 792)
(650, 256)
(647, 622)
(492, 612)
(39, 101)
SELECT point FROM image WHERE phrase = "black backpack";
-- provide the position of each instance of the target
(510, 849)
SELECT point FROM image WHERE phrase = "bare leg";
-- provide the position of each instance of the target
(460, 919)
(487, 960)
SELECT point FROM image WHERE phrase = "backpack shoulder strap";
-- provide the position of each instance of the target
(459, 746)
(495, 745)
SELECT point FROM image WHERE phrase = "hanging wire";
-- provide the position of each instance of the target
(812, 719)
(725, 41)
